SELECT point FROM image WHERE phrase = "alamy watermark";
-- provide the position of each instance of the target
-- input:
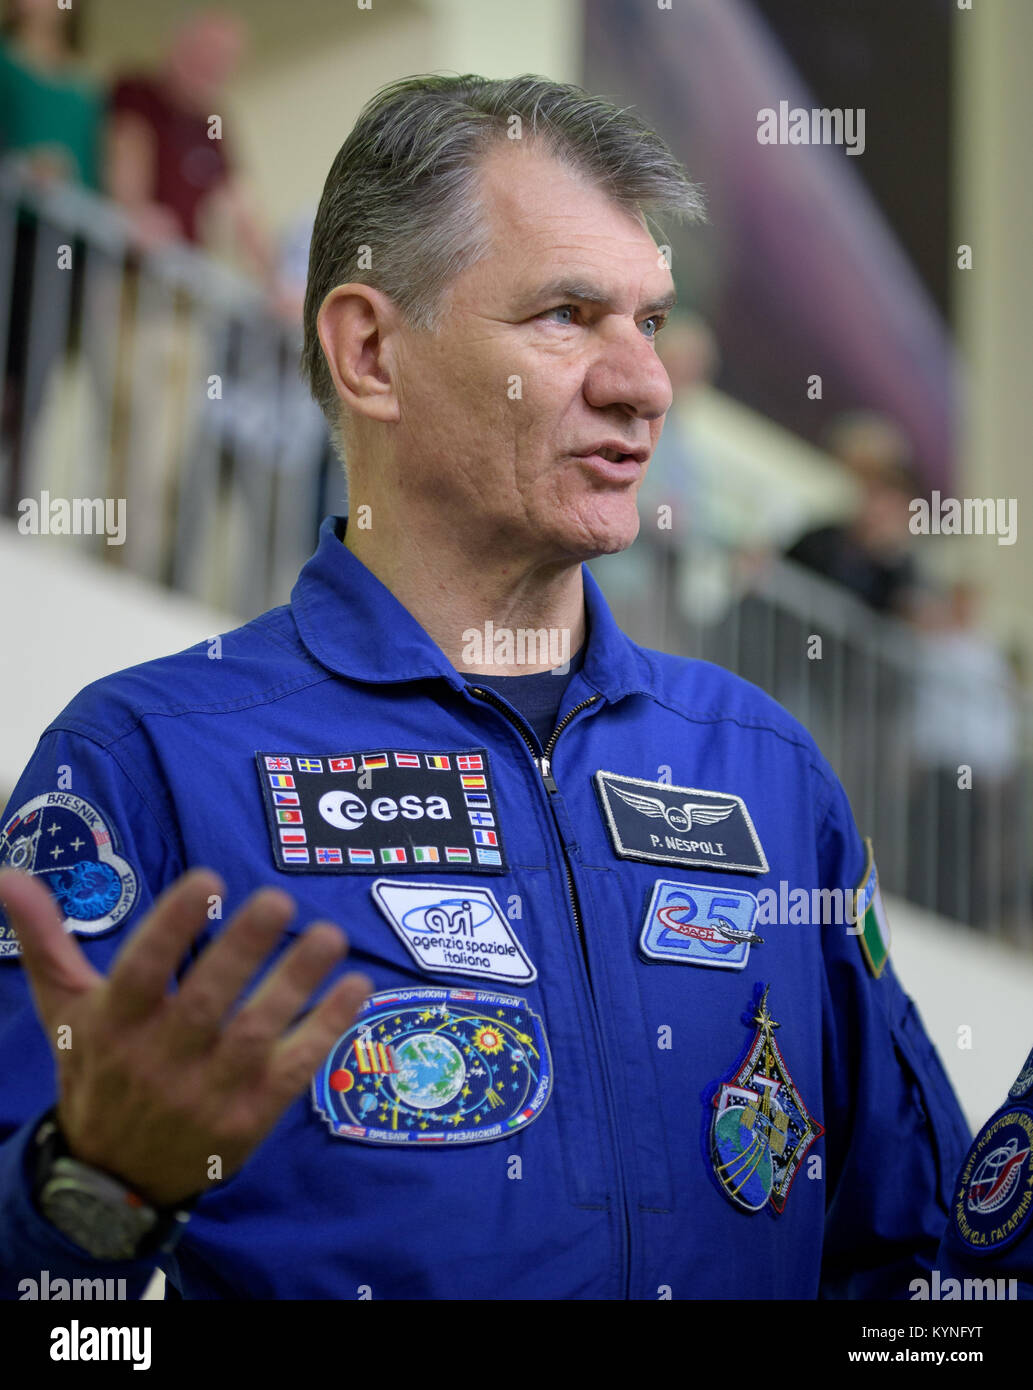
(965, 516)
(821, 126)
(47, 1288)
(538, 647)
(73, 516)
(974, 1290)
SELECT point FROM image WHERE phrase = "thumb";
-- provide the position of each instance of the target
(56, 966)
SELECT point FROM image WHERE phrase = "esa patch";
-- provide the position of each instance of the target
(435, 1067)
(65, 841)
(761, 1130)
(404, 811)
(994, 1198)
(697, 925)
(871, 925)
(679, 825)
(454, 930)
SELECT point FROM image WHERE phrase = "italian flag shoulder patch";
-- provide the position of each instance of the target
(871, 926)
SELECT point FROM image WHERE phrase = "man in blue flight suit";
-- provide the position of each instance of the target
(599, 1059)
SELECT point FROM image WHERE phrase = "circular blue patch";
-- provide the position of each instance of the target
(995, 1190)
(64, 839)
(435, 1067)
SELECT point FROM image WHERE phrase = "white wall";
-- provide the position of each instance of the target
(66, 621)
(962, 978)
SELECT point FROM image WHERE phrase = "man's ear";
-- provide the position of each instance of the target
(356, 326)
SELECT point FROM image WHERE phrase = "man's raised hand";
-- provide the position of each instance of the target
(154, 1085)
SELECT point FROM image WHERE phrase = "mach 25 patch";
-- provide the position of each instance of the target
(393, 810)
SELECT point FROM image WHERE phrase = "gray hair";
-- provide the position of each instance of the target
(406, 182)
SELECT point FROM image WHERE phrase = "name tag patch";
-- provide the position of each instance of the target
(64, 840)
(396, 810)
(454, 930)
(696, 925)
(435, 1067)
(679, 825)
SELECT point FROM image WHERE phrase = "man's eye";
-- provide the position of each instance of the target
(658, 321)
(560, 309)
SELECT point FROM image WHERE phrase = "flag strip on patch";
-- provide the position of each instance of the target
(429, 810)
(871, 925)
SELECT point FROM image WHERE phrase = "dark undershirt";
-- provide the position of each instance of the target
(537, 697)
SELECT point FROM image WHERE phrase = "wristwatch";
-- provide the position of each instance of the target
(96, 1211)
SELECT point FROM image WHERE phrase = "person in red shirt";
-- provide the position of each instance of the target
(167, 157)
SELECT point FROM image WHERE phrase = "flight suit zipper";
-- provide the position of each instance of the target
(543, 762)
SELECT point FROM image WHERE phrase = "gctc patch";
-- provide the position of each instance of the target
(994, 1198)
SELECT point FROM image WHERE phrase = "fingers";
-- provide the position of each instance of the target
(54, 962)
(249, 1036)
(297, 1056)
(140, 975)
(214, 983)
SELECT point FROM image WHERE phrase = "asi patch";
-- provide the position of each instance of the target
(995, 1193)
(436, 1067)
(454, 930)
(871, 925)
(761, 1130)
(696, 925)
(66, 842)
(391, 809)
(679, 825)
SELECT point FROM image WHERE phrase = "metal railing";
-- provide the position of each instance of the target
(171, 385)
(937, 761)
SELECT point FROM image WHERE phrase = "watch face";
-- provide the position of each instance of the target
(91, 1211)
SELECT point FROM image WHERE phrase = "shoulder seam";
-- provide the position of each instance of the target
(145, 800)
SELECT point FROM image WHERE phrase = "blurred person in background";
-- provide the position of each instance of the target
(270, 438)
(965, 747)
(671, 500)
(871, 554)
(51, 124)
(172, 169)
(166, 164)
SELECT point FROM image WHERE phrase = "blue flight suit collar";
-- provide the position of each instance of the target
(353, 625)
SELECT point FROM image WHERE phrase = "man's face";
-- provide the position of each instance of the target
(527, 374)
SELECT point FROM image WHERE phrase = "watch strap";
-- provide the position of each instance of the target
(53, 1162)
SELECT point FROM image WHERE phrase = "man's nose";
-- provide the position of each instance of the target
(626, 371)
